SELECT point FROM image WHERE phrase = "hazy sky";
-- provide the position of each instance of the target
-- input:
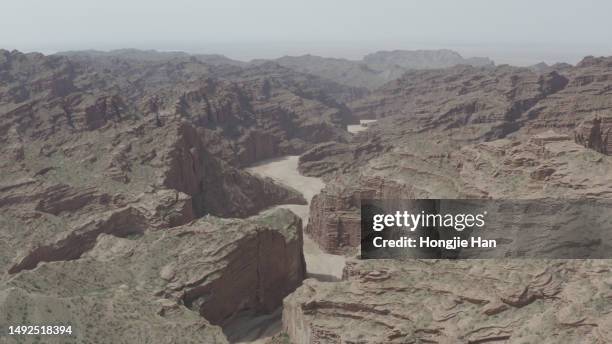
(507, 30)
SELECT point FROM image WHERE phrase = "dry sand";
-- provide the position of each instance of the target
(363, 125)
(284, 170)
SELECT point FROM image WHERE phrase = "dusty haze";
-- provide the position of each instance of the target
(519, 32)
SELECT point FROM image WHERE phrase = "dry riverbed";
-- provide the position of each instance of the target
(363, 125)
(319, 265)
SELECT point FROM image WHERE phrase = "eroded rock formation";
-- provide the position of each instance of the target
(215, 186)
(545, 165)
(454, 302)
(491, 102)
(441, 136)
(149, 285)
(595, 134)
(120, 166)
(110, 168)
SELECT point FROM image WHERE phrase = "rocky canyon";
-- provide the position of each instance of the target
(157, 197)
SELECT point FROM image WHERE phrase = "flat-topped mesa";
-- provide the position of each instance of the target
(595, 134)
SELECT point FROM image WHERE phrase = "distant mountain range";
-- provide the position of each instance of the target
(371, 72)
(380, 67)
(152, 56)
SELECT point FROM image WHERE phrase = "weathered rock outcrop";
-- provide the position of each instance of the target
(492, 103)
(150, 285)
(251, 113)
(216, 187)
(102, 315)
(474, 301)
(335, 221)
(586, 95)
(440, 137)
(546, 165)
(64, 222)
(263, 264)
(328, 158)
(595, 134)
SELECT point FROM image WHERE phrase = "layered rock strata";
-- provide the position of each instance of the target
(547, 165)
(595, 134)
(515, 301)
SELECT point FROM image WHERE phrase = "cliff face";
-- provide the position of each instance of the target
(148, 285)
(216, 187)
(262, 267)
(335, 220)
(595, 134)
